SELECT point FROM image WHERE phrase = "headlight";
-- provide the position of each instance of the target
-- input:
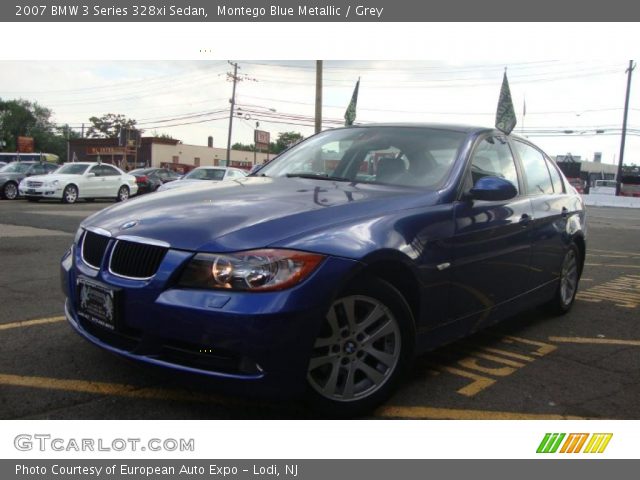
(255, 270)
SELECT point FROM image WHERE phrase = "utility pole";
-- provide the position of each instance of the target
(624, 126)
(255, 144)
(234, 78)
(82, 134)
(318, 96)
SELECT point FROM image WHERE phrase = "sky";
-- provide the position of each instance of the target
(189, 100)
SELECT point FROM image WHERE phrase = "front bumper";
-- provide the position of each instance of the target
(255, 342)
(40, 192)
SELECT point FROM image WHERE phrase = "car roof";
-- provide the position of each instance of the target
(452, 127)
(437, 126)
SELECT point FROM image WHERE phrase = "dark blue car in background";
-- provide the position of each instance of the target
(328, 270)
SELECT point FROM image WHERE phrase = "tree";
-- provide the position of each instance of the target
(243, 147)
(24, 118)
(286, 140)
(166, 136)
(109, 125)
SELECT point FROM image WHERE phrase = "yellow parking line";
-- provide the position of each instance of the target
(613, 251)
(103, 388)
(595, 341)
(610, 265)
(31, 323)
(462, 414)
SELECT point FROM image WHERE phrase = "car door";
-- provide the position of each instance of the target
(91, 185)
(112, 179)
(492, 240)
(37, 169)
(550, 207)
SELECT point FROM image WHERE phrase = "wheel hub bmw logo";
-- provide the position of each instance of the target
(349, 347)
(128, 225)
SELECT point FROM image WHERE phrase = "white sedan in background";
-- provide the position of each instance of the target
(212, 174)
(86, 180)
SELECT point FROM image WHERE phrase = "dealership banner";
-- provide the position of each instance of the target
(317, 11)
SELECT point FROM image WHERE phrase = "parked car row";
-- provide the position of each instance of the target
(13, 173)
(91, 180)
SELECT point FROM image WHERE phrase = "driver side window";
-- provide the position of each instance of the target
(493, 157)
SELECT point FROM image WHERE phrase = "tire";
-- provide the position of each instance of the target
(70, 194)
(10, 191)
(565, 295)
(123, 194)
(364, 347)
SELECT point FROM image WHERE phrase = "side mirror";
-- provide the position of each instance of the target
(493, 189)
(91, 174)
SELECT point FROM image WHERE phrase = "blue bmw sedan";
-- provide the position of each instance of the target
(328, 270)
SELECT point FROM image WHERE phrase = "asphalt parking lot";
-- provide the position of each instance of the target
(583, 365)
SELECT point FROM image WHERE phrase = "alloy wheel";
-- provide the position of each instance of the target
(10, 191)
(123, 194)
(357, 350)
(70, 194)
(569, 277)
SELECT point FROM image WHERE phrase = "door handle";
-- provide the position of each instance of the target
(525, 219)
(565, 212)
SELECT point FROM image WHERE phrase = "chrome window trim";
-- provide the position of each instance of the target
(99, 231)
(143, 240)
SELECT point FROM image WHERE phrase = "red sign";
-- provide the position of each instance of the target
(262, 139)
(241, 164)
(25, 144)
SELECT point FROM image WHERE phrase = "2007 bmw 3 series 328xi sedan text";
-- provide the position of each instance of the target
(326, 271)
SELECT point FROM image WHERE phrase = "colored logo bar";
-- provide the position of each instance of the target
(574, 443)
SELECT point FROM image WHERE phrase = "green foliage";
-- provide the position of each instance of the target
(243, 147)
(285, 140)
(162, 135)
(109, 125)
(24, 118)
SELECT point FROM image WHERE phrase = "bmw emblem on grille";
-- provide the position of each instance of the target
(128, 225)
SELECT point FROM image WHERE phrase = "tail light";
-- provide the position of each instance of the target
(142, 179)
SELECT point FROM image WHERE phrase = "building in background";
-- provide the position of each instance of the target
(577, 170)
(159, 152)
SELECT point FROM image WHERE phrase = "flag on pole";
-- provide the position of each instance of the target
(350, 114)
(505, 114)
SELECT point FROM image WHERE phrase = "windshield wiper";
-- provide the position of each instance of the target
(317, 176)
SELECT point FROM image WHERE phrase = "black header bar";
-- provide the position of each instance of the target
(321, 11)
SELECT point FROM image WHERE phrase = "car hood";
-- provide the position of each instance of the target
(252, 213)
(52, 176)
(184, 183)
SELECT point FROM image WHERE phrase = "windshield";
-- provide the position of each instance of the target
(16, 167)
(205, 174)
(72, 169)
(406, 156)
